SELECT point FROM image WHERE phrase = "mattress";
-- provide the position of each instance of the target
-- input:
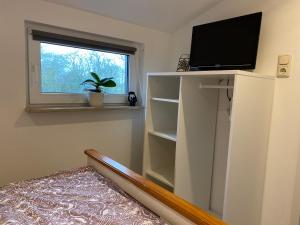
(80, 196)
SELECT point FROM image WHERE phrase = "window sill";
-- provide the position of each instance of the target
(47, 108)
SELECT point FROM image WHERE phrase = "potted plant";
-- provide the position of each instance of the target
(95, 95)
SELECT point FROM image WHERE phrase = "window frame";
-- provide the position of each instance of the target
(35, 96)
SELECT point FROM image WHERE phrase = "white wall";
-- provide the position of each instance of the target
(295, 220)
(280, 34)
(34, 145)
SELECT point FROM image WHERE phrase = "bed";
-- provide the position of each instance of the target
(103, 192)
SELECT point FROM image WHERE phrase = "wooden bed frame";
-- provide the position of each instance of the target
(164, 203)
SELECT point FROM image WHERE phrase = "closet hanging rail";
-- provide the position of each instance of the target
(202, 86)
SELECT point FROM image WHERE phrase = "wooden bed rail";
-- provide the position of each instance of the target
(174, 202)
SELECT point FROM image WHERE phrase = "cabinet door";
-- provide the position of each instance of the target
(248, 143)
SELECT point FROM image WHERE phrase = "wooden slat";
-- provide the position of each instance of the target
(178, 204)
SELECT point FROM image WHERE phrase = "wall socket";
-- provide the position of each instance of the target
(284, 66)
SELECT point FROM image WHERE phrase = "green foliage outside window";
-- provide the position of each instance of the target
(64, 68)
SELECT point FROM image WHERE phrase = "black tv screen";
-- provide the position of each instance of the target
(227, 44)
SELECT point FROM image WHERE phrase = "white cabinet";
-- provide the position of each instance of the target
(206, 139)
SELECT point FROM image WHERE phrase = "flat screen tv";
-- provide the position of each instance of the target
(227, 44)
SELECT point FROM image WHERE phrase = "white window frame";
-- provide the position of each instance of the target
(35, 96)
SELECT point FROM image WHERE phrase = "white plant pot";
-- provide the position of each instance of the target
(95, 99)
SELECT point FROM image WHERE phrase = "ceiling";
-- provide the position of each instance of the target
(163, 15)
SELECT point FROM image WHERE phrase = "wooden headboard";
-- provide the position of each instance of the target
(184, 208)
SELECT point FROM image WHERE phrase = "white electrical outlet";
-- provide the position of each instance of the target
(284, 66)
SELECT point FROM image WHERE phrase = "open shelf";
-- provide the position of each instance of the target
(160, 139)
(164, 175)
(170, 100)
(164, 87)
(160, 163)
(167, 134)
(164, 116)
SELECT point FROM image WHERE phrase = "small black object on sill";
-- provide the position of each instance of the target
(132, 98)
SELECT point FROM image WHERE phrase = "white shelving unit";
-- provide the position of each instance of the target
(161, 133)
(205, 149)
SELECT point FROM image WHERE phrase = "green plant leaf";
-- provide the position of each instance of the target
(109, 83)
(88, 81)
(96, 77)
(102, 81)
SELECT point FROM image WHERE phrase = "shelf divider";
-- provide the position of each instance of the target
(162, 177)
(168, 134)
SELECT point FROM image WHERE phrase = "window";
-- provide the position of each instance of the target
(63, 68)
(59, 60)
